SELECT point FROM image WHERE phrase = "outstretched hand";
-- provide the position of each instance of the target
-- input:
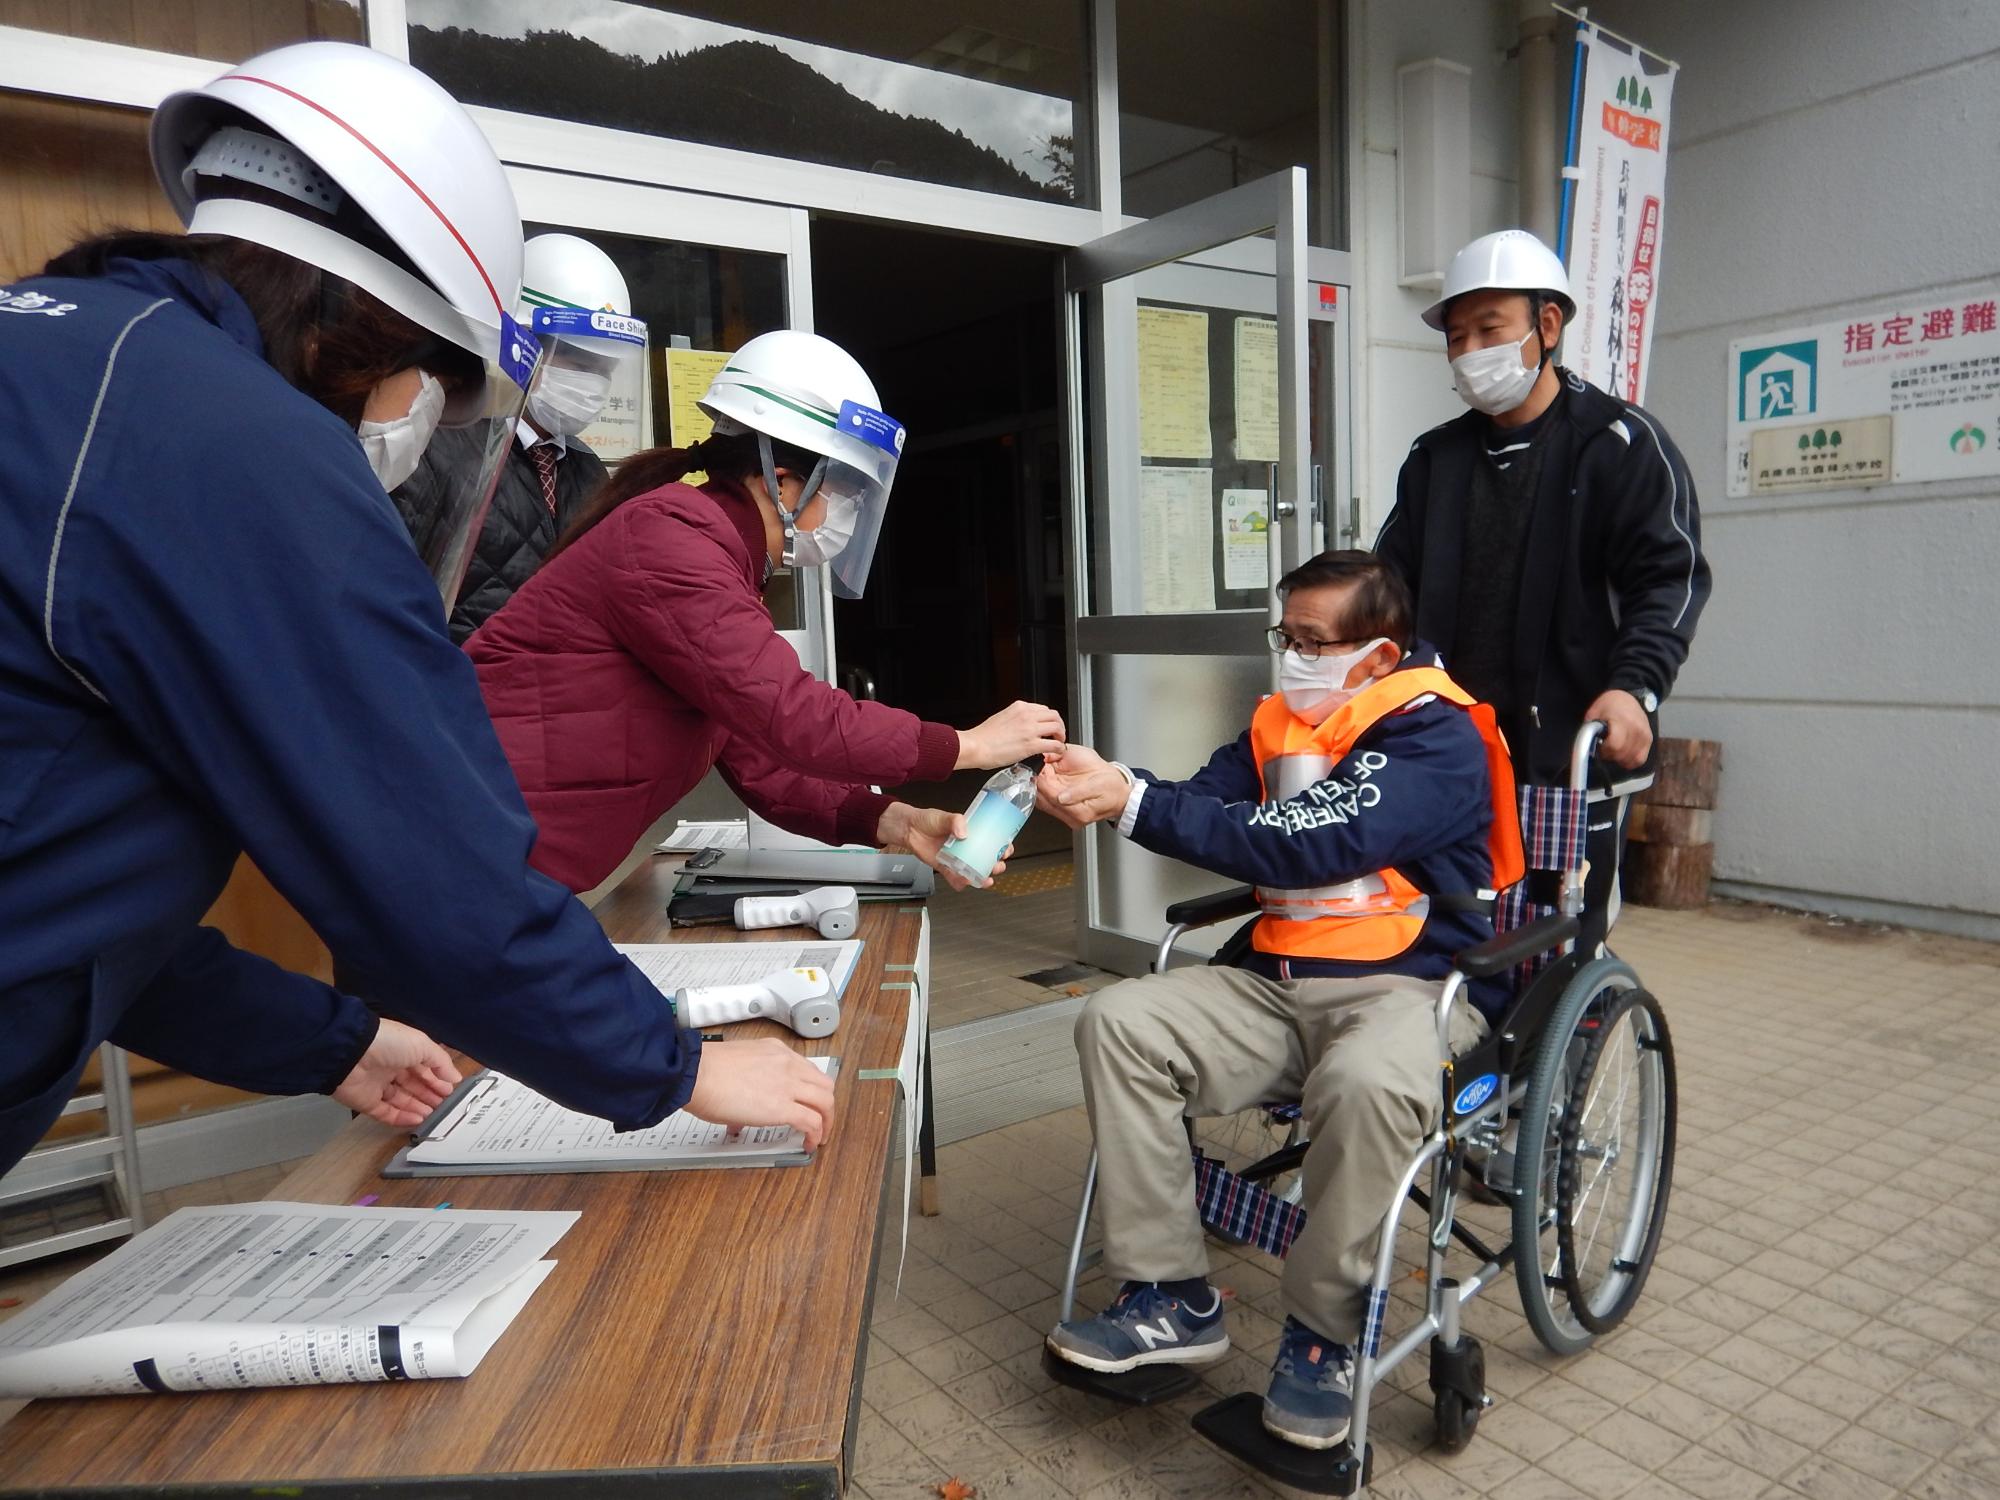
(1017, 732)
(1080, 787)
(762, 1082)
(924, 831)
(401, 1078)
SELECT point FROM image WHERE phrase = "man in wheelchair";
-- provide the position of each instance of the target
(1372, 805)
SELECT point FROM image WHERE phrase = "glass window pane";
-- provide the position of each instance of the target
(697, 300)
(225, 30)
(974, 94)
(1214, 93)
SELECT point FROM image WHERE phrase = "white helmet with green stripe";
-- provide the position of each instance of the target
(808, 392)
(575, 300)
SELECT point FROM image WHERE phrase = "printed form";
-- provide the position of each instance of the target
(263, 1294)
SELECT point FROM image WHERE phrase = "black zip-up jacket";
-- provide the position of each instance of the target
(1613, 580)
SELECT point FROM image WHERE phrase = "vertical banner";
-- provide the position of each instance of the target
(1619, 168)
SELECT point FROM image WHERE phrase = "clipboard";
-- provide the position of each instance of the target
(446, 1114)
(869, 871)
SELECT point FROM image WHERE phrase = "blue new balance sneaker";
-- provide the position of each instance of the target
(1144, 1326)
(1311, 1399)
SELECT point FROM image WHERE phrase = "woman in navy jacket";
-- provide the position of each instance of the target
(215, 637)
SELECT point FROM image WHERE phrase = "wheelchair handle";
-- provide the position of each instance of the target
(1582, 749)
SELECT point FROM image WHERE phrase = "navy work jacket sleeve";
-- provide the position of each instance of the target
(234, 583)
(277, 1027)
(1415, 784)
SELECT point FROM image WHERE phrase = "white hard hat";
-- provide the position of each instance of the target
(352, 126)
(801, 389)
(1511, 260)
(561, 270)
(573, 293)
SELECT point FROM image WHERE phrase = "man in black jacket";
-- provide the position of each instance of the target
(1551, 534)
(576, 301)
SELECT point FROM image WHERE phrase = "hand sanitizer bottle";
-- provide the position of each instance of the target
(995, 816)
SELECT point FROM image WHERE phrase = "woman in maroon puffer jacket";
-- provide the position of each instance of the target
(641, 654)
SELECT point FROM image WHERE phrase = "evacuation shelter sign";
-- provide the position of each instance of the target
(1897, 396)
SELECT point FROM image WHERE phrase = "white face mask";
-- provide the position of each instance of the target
(1494, 380)
(829, 539)
(395, 447)
(565, 401)
(1314, 689)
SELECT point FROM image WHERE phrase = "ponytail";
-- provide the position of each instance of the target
(731, 456)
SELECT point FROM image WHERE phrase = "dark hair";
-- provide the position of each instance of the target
(1378, 601)
(326, 336)
(732, 457)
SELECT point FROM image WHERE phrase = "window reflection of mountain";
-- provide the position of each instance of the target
(744, 95)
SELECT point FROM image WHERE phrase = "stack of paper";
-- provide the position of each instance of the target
(496, 1124)
(253, 1294)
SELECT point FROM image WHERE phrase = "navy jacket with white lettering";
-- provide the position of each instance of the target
(1427, 815)
(216, 637)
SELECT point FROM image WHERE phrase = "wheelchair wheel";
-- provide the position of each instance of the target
(1539, 1269)
(1615, 1163)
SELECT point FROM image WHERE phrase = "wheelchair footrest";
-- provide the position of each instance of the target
(1143, 1385)
(1235, 1424)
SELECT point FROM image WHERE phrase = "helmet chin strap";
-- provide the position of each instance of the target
(790, 518)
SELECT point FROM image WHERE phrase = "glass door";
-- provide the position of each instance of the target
(707, 275)
(1206, 421)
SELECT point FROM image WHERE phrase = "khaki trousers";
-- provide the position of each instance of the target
(1360, 1055)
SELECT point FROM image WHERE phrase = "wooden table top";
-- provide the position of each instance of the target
(707, 1318)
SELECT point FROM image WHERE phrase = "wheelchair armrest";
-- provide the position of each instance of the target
(1200, 911)
(1499, 954)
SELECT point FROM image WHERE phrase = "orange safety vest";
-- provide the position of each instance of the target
(1379, 916)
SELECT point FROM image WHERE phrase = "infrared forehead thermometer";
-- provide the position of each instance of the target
(832, 909)
(802, 999)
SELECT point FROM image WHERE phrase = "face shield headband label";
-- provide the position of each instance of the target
(876, 428)
(581, 322)
(517, 352)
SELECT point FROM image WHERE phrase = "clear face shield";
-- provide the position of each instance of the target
(468, 489)
(855, 479)
(586, 358)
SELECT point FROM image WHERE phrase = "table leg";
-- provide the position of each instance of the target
(927, 1185)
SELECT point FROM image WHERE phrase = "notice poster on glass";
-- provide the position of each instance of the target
(1256, 391)
(1246, 539)
(1176, 540)
(689, 372)
(1173, 384)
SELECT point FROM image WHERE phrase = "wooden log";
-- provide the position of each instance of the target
(1685, 773)
(1669, 825)
(1673, 876)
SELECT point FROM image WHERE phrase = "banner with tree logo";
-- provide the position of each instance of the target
(1614, 210)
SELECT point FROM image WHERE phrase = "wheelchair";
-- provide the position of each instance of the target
(1580, 1063)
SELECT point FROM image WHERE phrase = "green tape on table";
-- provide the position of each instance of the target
(896, 985)
(868, 1074)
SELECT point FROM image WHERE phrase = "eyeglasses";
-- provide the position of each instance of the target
(1308, 650)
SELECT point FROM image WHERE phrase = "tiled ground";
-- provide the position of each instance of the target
(985, 940)
(1824, 1320)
